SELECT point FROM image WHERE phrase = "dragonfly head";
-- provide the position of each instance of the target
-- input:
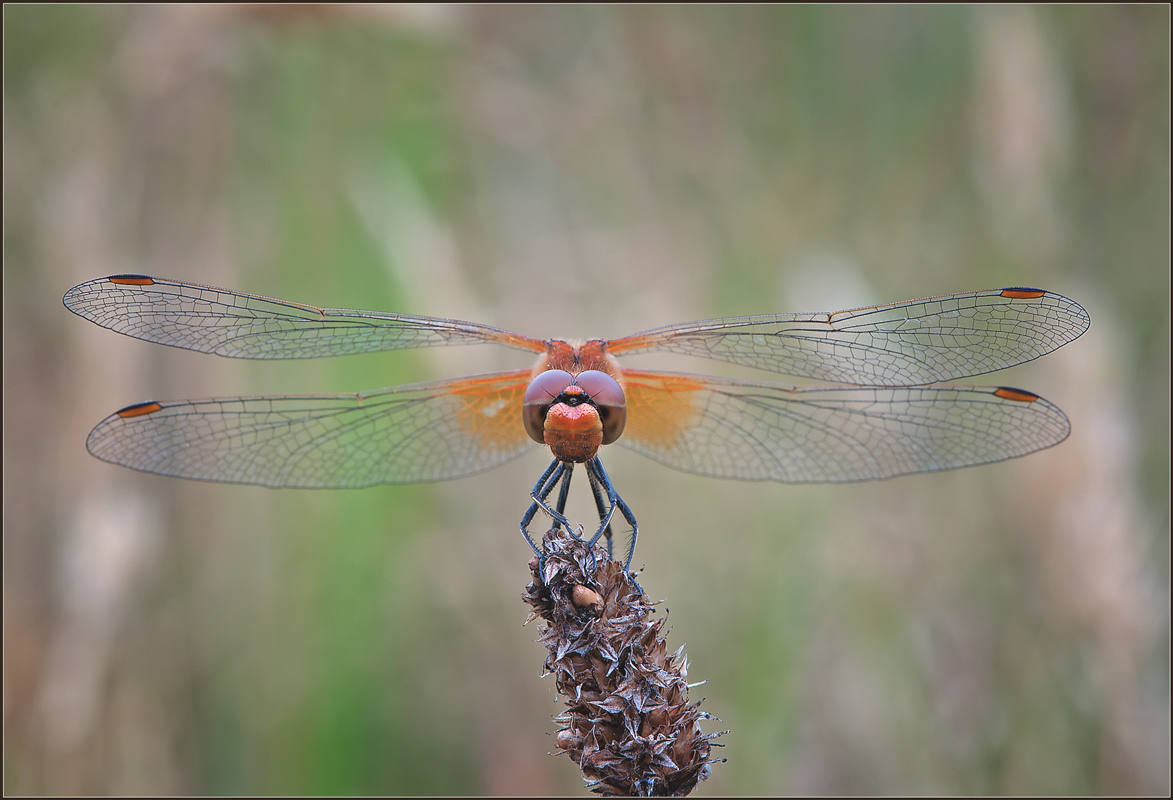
(574, 414)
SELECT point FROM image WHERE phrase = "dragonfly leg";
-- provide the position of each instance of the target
(599, 483)
(557, 472)
(597, 491)
(563, 473)
(605, 515)
(597, 473)
(550, 478)
(564, 492)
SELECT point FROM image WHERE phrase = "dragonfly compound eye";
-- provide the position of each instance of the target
(539, 396)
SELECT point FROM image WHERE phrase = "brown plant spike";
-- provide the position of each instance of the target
(628, 723)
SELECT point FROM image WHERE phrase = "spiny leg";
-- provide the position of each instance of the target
(565, 490)
(550, 478)
(558, 512)
(528, 516)
(595, 469)
(597, 491)
(600, 480)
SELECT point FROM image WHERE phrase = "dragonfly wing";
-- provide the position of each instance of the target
(760, 431)
(240, 325)
(406, 434)
(911, 343)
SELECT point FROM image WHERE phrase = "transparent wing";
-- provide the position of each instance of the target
(241, 325)
(759, 431)
(407, 434)
(902, 344)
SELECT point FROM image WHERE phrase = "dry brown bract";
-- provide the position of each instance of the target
(628, 723)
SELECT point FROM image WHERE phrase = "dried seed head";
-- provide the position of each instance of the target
(628, 723)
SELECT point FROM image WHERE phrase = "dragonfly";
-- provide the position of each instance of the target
(888, 412)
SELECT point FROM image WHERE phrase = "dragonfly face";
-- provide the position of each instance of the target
(889, 416)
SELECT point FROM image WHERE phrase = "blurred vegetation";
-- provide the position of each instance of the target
(584, 171)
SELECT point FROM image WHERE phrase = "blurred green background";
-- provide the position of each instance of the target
(574, 172)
